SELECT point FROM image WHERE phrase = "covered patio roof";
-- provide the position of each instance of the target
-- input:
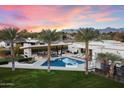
(45, 45)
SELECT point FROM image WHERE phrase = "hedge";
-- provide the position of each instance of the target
(24, 59)
(7, 60)
(4, 61)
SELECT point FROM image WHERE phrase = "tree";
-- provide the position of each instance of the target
(86, 35)
(1, 34)
(26, 34)
(109, 57)
(122, 37)
(48, 36)
(17, 49)
(11, 34)
(112, 57)
(102, 57)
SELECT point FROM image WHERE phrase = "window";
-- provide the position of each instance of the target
(8, 44)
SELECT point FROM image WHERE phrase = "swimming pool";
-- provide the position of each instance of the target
(64, 62)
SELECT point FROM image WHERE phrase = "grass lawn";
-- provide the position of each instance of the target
(41, 78)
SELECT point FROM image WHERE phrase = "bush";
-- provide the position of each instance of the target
(24, 59)
(4, 61)
(19, 59)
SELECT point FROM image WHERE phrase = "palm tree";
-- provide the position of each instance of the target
(101, 57)
(17, 49)
(109, 57)
(112, 57)
(48, 36)
(11, 35)
(86, 35)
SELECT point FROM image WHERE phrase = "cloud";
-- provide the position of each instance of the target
(99, 15)
(106, 19)
(102, 16)
(37, 17)
(3, 25)
(40, 27)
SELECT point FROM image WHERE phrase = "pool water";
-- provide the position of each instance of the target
(61, 62)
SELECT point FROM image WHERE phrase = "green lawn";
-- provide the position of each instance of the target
(41, 78)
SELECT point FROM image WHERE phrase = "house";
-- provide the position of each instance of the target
(22, 41)
(96, 47)
(2, 44)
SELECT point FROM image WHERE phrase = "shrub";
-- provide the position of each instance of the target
(4, 61)
(19, 59)
(24, 59)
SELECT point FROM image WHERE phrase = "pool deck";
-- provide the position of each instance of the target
(37, 65)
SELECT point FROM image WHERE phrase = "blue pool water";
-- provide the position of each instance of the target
(61, 62)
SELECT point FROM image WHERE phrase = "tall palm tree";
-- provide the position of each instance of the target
(86, 35)
(11, 35)
(48, 36)
(17, 49)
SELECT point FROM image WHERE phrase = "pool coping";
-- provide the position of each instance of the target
(37, 65)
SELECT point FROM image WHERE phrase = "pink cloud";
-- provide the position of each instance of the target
(8, 7)
(37, 28)
(72, 14)
(36, 17)
(102, 16)
(53, 13)
(3, 25)
(106, 19)
(33, 14)
(99, 15)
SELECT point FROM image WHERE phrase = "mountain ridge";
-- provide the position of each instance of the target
(104, 30)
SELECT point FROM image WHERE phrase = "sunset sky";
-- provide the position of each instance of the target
(60, 17)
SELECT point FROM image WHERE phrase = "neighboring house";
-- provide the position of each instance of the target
(96, 47)
(30, 42)
(2, 44)
(22, 41)
(5, 44)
